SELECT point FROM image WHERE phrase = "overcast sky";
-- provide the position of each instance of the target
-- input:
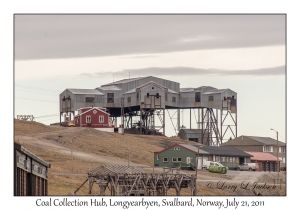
(245, 53)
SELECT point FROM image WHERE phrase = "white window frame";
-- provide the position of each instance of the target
(101, 117)
(176, 148)
(157, 157)
(165, 161)
(86, 118)
(176, 159)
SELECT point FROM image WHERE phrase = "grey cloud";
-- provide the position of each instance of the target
(181, 71)
(68, 36)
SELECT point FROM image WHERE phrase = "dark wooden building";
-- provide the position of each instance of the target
(30, 173)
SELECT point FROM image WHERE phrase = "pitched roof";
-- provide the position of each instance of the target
(110, 87)
(85, 91)
(226, 151)
(192, 148)
(196, 131)
(262, 156)
(153, 83)
(123, 81)
(93, 108)
(182, 90)
(266, 140)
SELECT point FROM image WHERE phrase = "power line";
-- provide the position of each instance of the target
(32, 99)
(38, 92)
(38, 88)
(48, 119)
(51, 115)
(280, 137)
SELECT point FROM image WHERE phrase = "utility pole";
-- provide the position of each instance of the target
(197, 163)
(278, 167)
(72, 151)
(122, 103)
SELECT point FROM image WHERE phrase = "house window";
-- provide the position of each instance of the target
(175, 159)
(88, 119)
(176, 148)
(165, 159)
(128, 99)
(157, 157)
(197, 96)
(223, 159)
(173, 99)
(110, 97)
(268, 148)
(282, 159)
(210, 98)
(281, 149)
(89, 99)
(101, 118)
(218, 159)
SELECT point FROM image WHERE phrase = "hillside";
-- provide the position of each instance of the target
(31, 127)
(92, 148)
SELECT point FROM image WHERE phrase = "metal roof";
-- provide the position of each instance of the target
(172, 91)
(182, 90)
(266, 140)
(196, 131)
(194, 148)
(215, 91)
(123, 81)
(131, 91)
(111, 87)
(226, 151)
(151, 82)
(85, 91)
(134, 90)
(262, 156)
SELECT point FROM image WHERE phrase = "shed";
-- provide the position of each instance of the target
(193, 135)
(30, 173)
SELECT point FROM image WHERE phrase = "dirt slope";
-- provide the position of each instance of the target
(92, 148)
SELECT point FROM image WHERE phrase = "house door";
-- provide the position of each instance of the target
(199, 163)
(188, 160)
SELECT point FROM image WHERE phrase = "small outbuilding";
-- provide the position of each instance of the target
(193, 135)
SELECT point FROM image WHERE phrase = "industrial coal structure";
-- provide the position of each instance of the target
(147, 99)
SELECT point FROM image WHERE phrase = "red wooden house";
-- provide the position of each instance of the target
(94, 117)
